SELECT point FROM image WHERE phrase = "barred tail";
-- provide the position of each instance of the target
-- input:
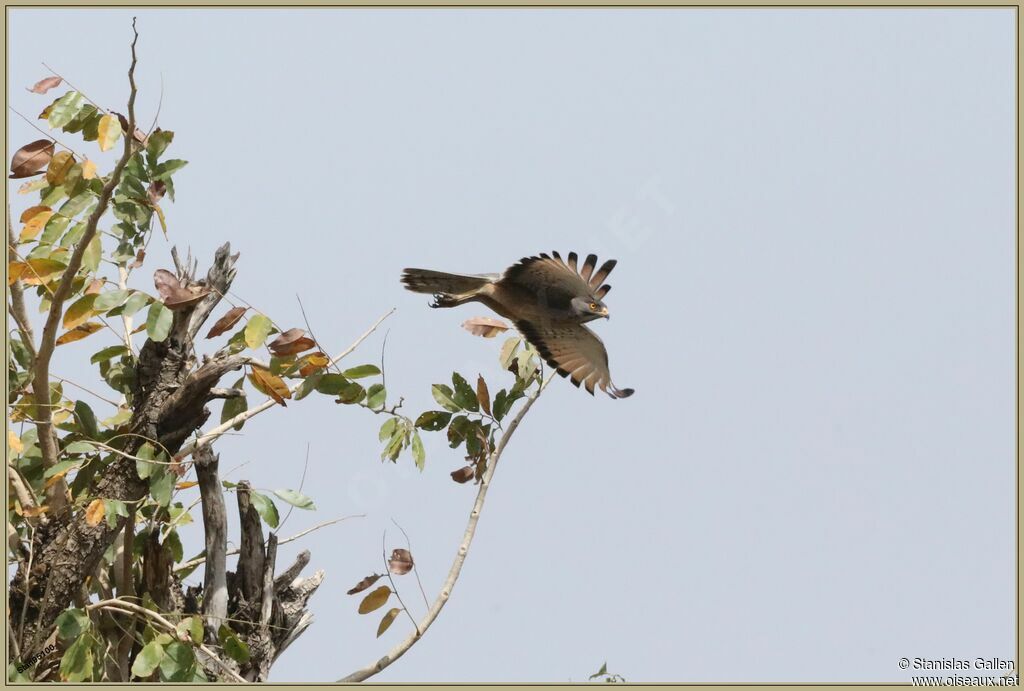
(439, 282)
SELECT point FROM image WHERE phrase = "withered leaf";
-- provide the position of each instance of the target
(139, 258)
(485, 326)
(88, 170)
(483, 396)
(388, 619)
(156, 191)
(138, 135)
(44, 85)
(94, 287)
(463, 475)
(365, 583)
(185, 485)
(173, 294)
(34, 219)
(79, 332)
(291, 342)
(166, 283)
(31, 159)
(59, 166)
(94, 512)
(375, 600)
(400, 562)
(28, 213)
(312, 362)
(79, 312)
(270, 384)
(227, 321)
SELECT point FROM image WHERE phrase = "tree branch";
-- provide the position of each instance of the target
(219, 430)
(460, 555)
(56, 495)
(215, 528)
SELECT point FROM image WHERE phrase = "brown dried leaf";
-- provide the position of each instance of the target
(156, 191)
(31, 159)
(463, 475)
(400, 562)
(166, 283)
(79, 332)
(483, 396)
(94, 512)
(270, 384)
(312, 362)
(172, 294)
(28, 213)
(95, 286)
(291, 342)
(485, 326)
(365, 583)
(139, 258)
(375, 600)
(59, 166)
(44, 85)
(227, 321)
(388, 619)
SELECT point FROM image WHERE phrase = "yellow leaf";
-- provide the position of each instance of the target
(40, 271)
(33, 511)
(35, 224)
(59, 166)
(270, 384)
(109, 132)
(94, 512)
(14, 442)
(185, 485)
(79, 311)
(32, 186)
(15, 271)
(56, 477)
(386, 622)
(28, 213)
(163, 221)
(375, 600)
(79, 332)
(88, 170)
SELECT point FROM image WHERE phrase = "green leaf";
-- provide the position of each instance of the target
(395, 444)
(72, 623)
(173, 544)
(297, 500)
(86, 419)
(137, 301)
(167, 168)
(464, 395)
(80, 447)
(266, 508)
(233, 407)
(235, 648)
(351, 393)
(161, 486)
(387, 429)
(65, 108)
(76, 664)
(148, 453)
(60, 467)
(110, 299)
(331, 384)
(92, 255)
(376, 397)
(178, 663)
(257, 330)
(508, 351)
(375, 600)
(419, 456)
(433, 420)
(158, 322)
(444, 396)
(361, 371)
(108, 353)
(158, 143)
(458, 430)
(195, 629)
(148, 659)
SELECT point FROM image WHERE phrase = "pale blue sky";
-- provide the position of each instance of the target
(813, 213)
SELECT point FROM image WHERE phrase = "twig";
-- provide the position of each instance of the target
(394, 588)
(48, 135)
(18, 297)
(460, 555)
(416, 572)
(57, 74)
(200, 560)
(302, 482)
(269, 403)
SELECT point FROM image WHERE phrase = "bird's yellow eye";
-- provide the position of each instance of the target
(593, 305)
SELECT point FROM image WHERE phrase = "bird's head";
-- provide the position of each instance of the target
(587, 308)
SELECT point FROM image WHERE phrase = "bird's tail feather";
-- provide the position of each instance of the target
(439, 282)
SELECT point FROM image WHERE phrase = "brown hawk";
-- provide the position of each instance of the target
(548, 300)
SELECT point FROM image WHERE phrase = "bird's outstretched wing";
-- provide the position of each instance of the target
(549, 274)
(575, 352)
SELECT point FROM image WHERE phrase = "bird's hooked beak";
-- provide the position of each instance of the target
(605, 314)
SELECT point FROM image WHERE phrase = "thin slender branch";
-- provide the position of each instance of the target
(18, 297)
(394, 588)
(200, 560)
(460, 556)
(416, 572)
(58, 74)
(41, 374)
(219, 430)
(302, 482)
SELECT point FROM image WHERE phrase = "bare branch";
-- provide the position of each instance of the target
(460, 555)
(215, 528)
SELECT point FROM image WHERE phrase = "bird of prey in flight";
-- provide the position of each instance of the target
(548, 300)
